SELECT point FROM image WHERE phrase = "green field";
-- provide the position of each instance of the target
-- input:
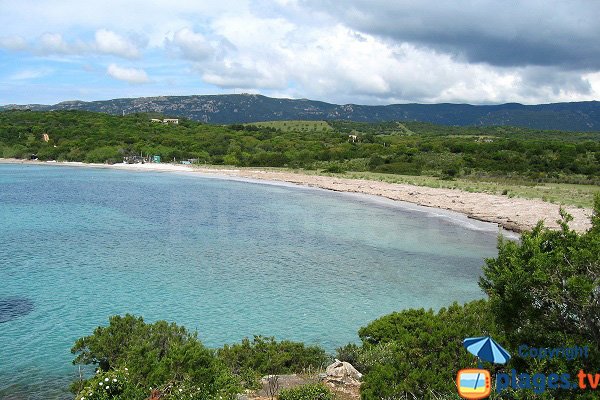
(295, 126)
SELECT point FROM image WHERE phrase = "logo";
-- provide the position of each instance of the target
(474, 383)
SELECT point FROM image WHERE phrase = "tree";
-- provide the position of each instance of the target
(545, 292)
(415, 353)
(155, 354)
(547, 286)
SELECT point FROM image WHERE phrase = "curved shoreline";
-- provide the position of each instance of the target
(513, 214)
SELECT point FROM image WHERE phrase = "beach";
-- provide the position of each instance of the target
(514, 214)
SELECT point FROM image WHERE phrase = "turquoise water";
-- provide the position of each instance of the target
(227, 258)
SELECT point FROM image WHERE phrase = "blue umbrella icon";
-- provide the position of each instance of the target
(487, 349)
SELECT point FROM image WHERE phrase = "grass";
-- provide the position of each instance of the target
(558, 193)
(295, 126)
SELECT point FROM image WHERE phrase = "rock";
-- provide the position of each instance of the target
(343, 372)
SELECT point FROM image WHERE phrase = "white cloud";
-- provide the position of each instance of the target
(109, 42)
(245, 76)
(53, 43)
(13, 43)
(303, 49)
(129, 75)
(29, 74)
(193, 46)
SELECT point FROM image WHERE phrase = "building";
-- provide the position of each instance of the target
(174, 121)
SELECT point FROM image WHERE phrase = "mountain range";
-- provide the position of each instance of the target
(244, 108)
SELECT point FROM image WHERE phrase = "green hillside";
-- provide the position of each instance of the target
(247, 108)
(466, 156)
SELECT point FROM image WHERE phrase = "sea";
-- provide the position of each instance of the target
(226, 258)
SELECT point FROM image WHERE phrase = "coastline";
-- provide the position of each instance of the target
(513, 214)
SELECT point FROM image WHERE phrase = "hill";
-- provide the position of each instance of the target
(246, 108)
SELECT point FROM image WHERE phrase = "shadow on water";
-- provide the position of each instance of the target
(14, 307)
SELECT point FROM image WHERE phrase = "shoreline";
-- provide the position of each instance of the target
(513, 214)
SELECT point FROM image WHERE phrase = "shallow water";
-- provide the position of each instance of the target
(229, 259)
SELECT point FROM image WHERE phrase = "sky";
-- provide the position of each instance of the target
(353, 51)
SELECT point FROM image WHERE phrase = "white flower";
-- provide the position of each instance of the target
(126, 369)
(99, 383)
(180, 390)
(105, 379)
(114, 379)
(108, 387)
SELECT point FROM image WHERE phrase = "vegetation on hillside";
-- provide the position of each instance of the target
(250, 108)
(408, 148)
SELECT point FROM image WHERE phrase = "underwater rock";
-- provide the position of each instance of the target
(14, 307)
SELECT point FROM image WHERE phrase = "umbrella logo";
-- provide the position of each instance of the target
(474, 384)
(486, 349)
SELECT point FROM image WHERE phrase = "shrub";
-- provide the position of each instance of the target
(155, 354)
(307, 392)
(411, 353)
(266, 356)
(114, 384)
(103, 154)
(335, 168)
(545, 292)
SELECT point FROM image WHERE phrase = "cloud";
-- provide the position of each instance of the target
(51, 43)
(233, 75)
(192, 46)
(108, 42)
(129, 75)
(368, 51)
(29, 74)
(14, 43)
(542, 33)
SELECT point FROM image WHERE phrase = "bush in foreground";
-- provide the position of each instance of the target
(414, 352)
(155, 354)
(316, 391)
(265, 356)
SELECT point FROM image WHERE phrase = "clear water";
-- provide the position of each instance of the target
(226, 258)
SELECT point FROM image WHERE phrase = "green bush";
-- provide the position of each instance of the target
(155, 354)
(335, 169)
(307, 392)
(265, 356)
(114, 384)
(545, 292)
(413, 352)
(103, 154)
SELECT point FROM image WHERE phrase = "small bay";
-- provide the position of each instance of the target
(229, 259)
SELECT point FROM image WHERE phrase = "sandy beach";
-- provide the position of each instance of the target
(515, 214)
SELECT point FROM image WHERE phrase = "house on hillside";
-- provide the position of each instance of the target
(134, 159)
(174, 121)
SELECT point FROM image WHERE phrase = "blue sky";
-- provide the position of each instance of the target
(356, 51)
